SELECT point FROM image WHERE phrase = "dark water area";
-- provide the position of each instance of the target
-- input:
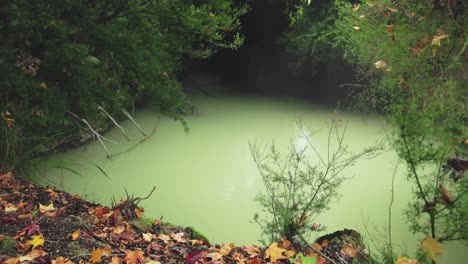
(263, 66)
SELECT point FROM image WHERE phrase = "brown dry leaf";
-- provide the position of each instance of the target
(215, 256)
(116, 260)
(405, 260)
(148, 237)
(44, 209)
(437, 38)
(253, 251)
(225, 250)
(446, 195)
(164, 238)
(325, 243)
(432, 247)
(274, 252)
(286, 243)
(62, 260)
(380, 64)
(316, 246)
(179, 237)
(15, 260)
(349, 250)
(139, 212)
(119, 229)
(35, 253)
(134, 257)
(389, 28)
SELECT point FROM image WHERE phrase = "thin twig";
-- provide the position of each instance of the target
(133, 120)
(115, 122)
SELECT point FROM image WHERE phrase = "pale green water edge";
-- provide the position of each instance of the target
(207, 178)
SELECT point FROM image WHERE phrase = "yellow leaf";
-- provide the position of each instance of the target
(356, 28)
(434, 52)
(96, 256)
(211, 14)
(432, 247)
(437, 38)
(10, 208)
(116, 260)
(355, 7)
(75, 235)
(274, 252)
(37, 240)
(380, 64)
(43, 209)
(405, 260)
(43, 85)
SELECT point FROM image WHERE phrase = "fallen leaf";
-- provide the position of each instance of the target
(44, 209)
(43, 85)
(116, 260)
(14, 260)
(31, 229)
(225, 250)
(432, 247)
(349, 250)
(148, 237)
(62, 260)
(355, 7)
(75, 235)
(325, 243)
(437, 38)
(356, 28)
(134, 257)
(380, 64)
(139, 212)
(405, 260)
(10, 208)
(389, 28)
(96, 256)
(274, 252)
(37, 240)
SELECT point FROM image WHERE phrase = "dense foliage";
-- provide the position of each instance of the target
(410, 59)
(74, 56)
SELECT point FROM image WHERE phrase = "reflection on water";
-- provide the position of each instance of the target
(207, 178)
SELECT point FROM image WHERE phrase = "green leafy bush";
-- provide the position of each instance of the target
(67, 56)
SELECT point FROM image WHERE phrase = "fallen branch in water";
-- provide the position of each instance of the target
(134, 146)
(95, 133)
(133, 120)
(115, 122)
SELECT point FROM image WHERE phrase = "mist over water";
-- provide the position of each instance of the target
(207, 179)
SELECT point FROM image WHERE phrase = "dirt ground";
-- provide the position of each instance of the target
(45, 225)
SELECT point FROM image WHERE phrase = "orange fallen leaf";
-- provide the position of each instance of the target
(14, 260)
(225, 250)
(134, 257)
(116, 260)
(432, 247)
(75, 235)
(349, 250)
(96, 256)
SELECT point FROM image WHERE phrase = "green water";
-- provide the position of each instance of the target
(207, 178)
